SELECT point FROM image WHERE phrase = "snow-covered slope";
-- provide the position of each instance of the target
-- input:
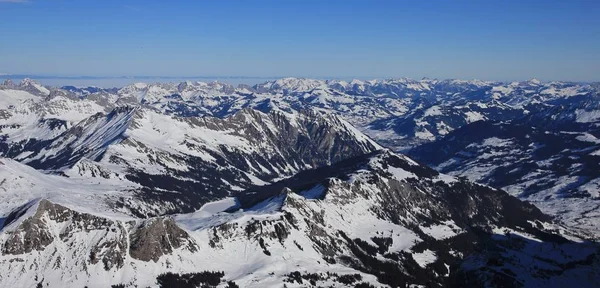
(400, 113)
(160, 184)
(198, 159)
(21, 184)
(556, 170)
(380, 219)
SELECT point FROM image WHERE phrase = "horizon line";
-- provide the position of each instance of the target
(362, 78)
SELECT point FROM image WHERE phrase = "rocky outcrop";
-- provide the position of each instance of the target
(456, 224)
(201, 159)
(31, 235)
(56, 224)
(60, 226)
(157, 237)
(382, 215)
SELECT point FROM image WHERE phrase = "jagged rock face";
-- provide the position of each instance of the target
(263, 147)
(31, 235)
(157, 237)
(423, 229)
(397, 193)
(381, 216)
(311, 139)
(198, 159)
(148, 240)
(56, 238)
(125, 156)
(60, 226)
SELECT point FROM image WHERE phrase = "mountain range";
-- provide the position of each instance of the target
(300, 182)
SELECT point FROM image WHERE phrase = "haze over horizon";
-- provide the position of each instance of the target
(122, 81)
(549, 40)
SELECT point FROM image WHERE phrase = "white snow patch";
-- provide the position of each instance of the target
(424, 258)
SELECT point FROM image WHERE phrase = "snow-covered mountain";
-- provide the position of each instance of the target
(556, 170)
(379, 218)
(548, 157)
(197, 159)
(400, 113)
(208, 185)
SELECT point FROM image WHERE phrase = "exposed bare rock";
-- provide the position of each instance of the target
(157, 237)
(39, 231)
(32, 234)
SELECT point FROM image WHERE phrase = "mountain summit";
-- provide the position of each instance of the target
(284, 183)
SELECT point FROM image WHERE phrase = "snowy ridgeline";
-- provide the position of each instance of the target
(555, 170)
(376, 210)
(272, 185)
(401, 114)
(398, 112)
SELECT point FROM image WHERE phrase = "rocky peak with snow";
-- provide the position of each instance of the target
(8, 83)
(165, 152)
(378, 218)
(33, 87)
(290, 85)
(142, 185)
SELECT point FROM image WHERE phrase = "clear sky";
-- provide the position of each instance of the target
(483, 39)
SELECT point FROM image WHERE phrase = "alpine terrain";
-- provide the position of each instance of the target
(300, 183)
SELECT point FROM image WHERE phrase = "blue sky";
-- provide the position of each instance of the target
(491, 40)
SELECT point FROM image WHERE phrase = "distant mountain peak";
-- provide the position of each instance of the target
(534, 81)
